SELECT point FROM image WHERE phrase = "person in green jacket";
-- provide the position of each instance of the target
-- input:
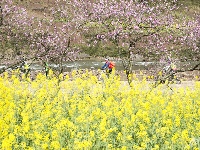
(26, 69)
(46, 66)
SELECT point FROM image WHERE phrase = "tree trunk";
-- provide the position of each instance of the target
(1, 16)
(127, 63)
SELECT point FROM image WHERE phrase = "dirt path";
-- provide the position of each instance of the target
(184, 85)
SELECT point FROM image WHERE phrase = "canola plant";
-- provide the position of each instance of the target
(81, 112)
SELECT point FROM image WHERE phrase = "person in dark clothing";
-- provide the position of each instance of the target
(46, 66)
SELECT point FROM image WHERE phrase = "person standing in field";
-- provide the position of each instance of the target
(26, 69)
(171, 67)
(108, 65)
(46, 67)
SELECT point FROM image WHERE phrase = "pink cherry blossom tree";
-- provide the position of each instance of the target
(148, 28)
(15, 27)
(44, 39)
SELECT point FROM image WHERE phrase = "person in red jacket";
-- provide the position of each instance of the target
(108, 65)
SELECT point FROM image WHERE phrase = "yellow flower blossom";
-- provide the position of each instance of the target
(82, 113)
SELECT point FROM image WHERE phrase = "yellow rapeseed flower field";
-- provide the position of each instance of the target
(82, 112)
